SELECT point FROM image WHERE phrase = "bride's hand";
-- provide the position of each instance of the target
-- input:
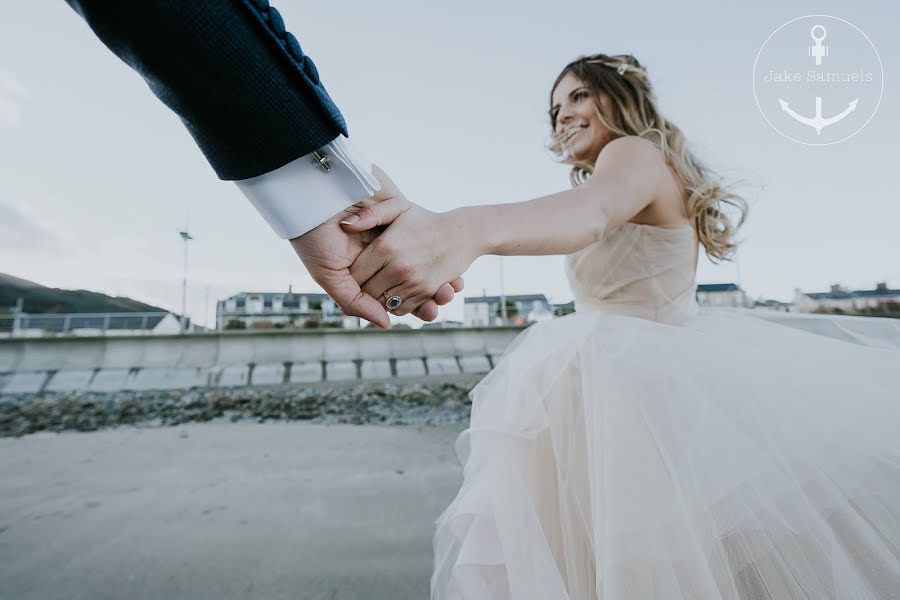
(328, 251)
(418, 252)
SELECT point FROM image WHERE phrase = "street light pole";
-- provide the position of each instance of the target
(503, 314)
(206, 308)
(185, 236)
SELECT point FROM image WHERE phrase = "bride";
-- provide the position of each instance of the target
(645, 447)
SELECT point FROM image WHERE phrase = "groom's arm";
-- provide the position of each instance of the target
(249, 96)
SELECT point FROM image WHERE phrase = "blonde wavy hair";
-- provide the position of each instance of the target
(633, 111)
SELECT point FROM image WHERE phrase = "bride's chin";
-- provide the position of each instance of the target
(580, 151)
(576, 156)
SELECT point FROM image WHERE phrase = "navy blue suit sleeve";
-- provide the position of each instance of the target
(241, 84)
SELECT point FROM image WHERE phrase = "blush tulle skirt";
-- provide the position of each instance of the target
(727, 457)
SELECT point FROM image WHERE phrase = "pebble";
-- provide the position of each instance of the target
(402, 404)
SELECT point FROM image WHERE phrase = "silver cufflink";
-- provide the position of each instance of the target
(322, 160)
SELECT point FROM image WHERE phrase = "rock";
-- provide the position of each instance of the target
(384, 403)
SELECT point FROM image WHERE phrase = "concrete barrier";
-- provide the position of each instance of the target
(233, 358)
(267, 357)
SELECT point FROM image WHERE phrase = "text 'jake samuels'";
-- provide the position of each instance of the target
(813, 76)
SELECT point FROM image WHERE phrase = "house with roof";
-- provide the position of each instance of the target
(769, 304)
(561, 310)
(263, 310)
(846, 300)
(521, 309)
(721, 294)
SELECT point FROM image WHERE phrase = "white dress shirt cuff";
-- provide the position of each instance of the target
(302, 194)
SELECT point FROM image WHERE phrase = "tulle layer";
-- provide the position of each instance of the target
(619, 458)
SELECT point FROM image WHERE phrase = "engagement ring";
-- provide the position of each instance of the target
(393, 302)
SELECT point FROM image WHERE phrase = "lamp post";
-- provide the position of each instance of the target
(206, 308)
(185, 236)
(503, 314)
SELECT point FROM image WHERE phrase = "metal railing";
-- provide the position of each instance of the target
(52, 324)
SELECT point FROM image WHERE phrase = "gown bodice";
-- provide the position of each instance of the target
(639, 270)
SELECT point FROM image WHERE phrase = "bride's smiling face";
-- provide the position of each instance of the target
(576, 121)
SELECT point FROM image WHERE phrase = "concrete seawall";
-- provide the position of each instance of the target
(244, 358)
(267, 357)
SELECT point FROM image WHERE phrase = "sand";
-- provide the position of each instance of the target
(222, 510)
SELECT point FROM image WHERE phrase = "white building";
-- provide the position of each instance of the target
(561, 310)
(773, 305)
(257, 310)
(846, 300)
(721, 294)
(483, 311)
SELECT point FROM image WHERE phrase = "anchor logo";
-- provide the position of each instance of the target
(818, 80)
(818, 122)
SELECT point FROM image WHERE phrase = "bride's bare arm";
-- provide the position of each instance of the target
(626, 179)
(421, 249)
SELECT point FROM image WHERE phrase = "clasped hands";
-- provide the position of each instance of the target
(386, 245)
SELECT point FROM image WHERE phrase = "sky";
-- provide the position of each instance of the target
(451, 100)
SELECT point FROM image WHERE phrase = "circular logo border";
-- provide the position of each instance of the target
(880, 93)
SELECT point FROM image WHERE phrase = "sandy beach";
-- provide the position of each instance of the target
(224, 510)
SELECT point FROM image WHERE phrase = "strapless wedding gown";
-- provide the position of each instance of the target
(645, 448)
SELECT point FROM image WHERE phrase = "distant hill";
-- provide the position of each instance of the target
(39, 299)
(12, 280)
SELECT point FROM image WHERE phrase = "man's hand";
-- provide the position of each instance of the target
(418, 250)
(328, 251)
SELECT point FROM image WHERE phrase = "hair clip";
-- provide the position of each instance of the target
(622, 68)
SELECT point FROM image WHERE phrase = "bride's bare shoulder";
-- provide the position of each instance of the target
(631, 151)
(636, 157)
(631, 155)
